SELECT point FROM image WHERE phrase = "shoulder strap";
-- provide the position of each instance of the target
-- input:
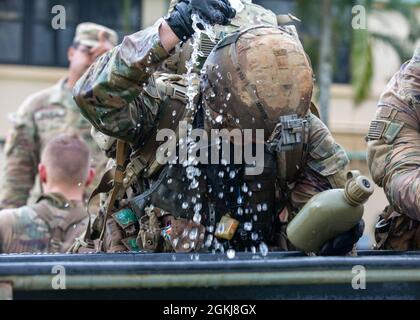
(117, 185)
(58, 226)
(44, 212)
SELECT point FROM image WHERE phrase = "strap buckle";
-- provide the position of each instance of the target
(288, 134)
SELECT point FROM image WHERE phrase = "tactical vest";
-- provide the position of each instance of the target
(61, 221)
(135, 227)
(138, 172)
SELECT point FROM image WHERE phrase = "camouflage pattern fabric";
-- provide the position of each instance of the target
(22, 230)
(394, 142)
(112, 96)
(87, 34)
(40, 118)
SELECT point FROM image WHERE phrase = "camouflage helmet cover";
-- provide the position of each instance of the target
(255, 76)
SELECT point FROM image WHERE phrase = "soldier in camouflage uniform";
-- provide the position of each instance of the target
(48, 113)
(124, 97)
(394, 158)
(59, 216)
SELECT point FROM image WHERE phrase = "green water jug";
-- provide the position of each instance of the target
(330, 213)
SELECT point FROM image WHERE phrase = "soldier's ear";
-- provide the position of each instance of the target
(91, 176)
(42, 170)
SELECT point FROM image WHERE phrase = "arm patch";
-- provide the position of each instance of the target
(376, 130)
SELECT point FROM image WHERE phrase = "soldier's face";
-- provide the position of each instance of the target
(80, 59)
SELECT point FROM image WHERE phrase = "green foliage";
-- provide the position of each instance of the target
(361, 65)
(360, 40)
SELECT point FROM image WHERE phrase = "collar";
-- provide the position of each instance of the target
(62, 95)
(58, 200)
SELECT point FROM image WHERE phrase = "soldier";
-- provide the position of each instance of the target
(58, 217)
(178, 208)
(394, 158)
(48, 113)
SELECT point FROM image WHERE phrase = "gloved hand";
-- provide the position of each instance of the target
(211, 11)
(343, 243)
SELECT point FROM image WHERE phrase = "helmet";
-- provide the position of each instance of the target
(247, 15)
(255, 76)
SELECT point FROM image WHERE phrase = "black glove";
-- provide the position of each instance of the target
(343, 243)
(211, 11)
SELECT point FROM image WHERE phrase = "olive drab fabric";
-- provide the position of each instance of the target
(394, 157)
(126, 96)
(49, 226)
(88, 33)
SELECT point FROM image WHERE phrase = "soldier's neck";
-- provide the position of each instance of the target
(70, 193)
(71, 82)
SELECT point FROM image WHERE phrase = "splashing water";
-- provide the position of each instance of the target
(192, 90)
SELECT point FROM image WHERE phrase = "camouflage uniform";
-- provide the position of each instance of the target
(119, 97)
(41, 117)
(51, 225)
(394, 157)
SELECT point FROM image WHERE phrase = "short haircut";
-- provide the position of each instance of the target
(67, 160)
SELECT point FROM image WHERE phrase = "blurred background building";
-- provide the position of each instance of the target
(357, 63)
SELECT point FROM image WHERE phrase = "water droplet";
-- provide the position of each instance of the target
(194, 184)
(174, 113)
(231, 254)
(198, 207)
(265, 207)
(240, 211)
(221, 174)
(219, 119)
(197, 218)
(232, 174)
(185, 205)
(209, 241)
(263, 249)
(248, 226)
(240, 200)
(193, 234)
(254, 236)
(229, 95)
